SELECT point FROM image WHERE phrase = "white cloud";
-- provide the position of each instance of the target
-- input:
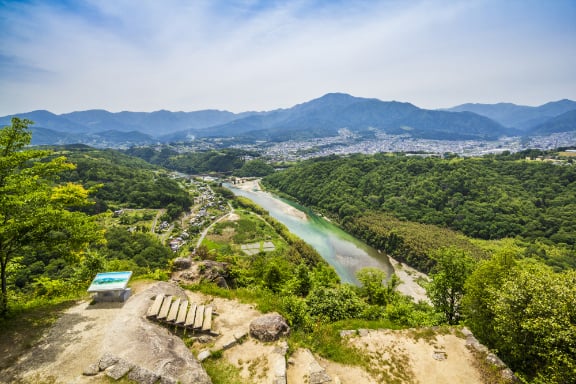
(242, 55)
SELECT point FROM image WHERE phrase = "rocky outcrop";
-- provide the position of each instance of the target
(269, 327)
(206, 270)
(150, 346)
(181, 263)
(473, 344)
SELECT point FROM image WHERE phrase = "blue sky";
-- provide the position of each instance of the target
(239, 55)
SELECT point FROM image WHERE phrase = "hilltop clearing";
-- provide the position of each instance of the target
(86, 332)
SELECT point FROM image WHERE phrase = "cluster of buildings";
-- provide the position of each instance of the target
(345, 144)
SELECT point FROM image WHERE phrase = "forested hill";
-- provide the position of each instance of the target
(122, 181)
(487, 198)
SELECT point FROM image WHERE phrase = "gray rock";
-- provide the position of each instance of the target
(319, 377)
(509, 376)
(495, 360)
(281, 348)
(146, 344)
(278, 363)
(107, 360)
(91, 370)
(317, 374)
(269, 327)
(228, 342)
(119, 370)
(363, 332)
(168, 380)
(241, 336)
(181, 263)
(348, 333)
(473, 343)
(143, 376)
(466, 332)
(203, 355)
(205, 339)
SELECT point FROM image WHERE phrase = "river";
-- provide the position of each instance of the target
(341, 250)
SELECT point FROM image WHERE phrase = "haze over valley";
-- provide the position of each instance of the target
(334, 123)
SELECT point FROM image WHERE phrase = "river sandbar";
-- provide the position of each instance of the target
(254, 186)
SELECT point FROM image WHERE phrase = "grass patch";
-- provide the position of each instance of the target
(429, 334)
(222, 372)
(326, 341)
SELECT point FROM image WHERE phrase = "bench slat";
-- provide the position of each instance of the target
(191, 315)
(207, 325)
(173, 310)
(165, 308)
(155, 307)
(199, 317)
(182, 312)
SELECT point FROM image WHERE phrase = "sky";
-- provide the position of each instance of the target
(259, 55)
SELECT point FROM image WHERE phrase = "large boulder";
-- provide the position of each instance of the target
(181, 263)
(269, 327)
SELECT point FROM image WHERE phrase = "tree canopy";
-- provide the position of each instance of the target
(37, 212)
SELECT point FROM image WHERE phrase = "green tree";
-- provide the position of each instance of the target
(34, 210)
(375, 287)
(453, 266)
(334, 304)
(535, 319)
(481, 289)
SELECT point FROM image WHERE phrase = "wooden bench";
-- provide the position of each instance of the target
(166, 309)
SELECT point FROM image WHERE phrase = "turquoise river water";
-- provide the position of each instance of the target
(341, 250)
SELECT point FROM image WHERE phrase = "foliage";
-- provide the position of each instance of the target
(143, 249)
(124, 181)
(333, 304)
(525, 311)
(481, 289)
(489, 198)
(223, 161)
(255, 168)
(448, 280)
(409, 242)
(535, 314)
(375, 287)
(35, 211)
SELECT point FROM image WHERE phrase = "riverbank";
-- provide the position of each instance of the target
(409, 278)
(254, 186)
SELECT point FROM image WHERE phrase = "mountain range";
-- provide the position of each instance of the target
(320, 117)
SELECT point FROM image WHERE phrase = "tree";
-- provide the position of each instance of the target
(481, 289)
(453, 266)
(35, 210)
(375, 287)
(535, 320)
